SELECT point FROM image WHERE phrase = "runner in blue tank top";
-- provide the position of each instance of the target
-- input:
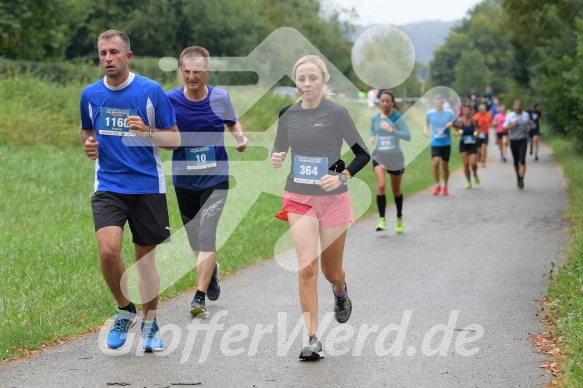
(440, 120)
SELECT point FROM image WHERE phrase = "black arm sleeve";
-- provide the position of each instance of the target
(281, 143)
(361, 159)
(354, 140)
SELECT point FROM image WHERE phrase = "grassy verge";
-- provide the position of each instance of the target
(566, 293)
(51, 284)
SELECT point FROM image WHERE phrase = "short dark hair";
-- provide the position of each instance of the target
(194, 52)
(125, 41)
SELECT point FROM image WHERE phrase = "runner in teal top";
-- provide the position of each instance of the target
(387, 128)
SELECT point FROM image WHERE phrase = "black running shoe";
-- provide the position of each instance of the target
(313, 350)
(198, 308)
(342, 306)
(214, 290)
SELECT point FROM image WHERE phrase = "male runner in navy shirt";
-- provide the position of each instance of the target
(200, 166)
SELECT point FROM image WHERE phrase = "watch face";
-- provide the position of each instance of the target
(343, 177)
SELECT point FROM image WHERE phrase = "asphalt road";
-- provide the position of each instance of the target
(448, 303)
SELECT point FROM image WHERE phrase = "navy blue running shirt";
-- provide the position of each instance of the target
(201, 161)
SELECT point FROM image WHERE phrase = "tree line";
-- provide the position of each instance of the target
(522, 48)
(57, 30)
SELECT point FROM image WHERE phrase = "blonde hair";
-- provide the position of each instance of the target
(316, 60)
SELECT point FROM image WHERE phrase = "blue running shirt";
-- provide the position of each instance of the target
(440, 136)
(201, 161)
(126, 164)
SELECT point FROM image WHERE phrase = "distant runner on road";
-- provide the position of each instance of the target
(536, 117)
(501, 134)
(518, 125)
(440, 120)
(468, 129)
(484, 120)
(387, 129)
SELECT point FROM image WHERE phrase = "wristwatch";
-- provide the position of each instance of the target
(152, 132)
(343, 178)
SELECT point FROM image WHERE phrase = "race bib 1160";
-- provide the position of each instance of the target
(112, 121)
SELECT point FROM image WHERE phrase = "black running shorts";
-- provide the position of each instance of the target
(147, 215)
(441, 152)
(393, 163)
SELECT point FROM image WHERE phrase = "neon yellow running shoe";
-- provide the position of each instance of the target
(382, 224)
(476, 179)
(399, 228)
(468, 185)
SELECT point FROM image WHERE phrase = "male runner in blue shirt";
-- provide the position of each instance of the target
(440, 120)
(125, 119)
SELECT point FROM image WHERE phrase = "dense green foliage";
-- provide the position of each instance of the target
(524, 49)
(475, 54)
(159, 28)
(548, 58)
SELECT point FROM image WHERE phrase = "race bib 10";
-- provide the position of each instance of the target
(198, 158)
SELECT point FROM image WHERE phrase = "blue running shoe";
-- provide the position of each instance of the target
(118, 334)
(214, 290)
(151, 339)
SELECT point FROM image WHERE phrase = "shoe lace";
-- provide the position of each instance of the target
(341, 303)
(119, 325)
(150, 333)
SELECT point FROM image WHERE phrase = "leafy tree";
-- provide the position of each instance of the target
(36, 29)
(479, 33)
(471, 69)
(547, 40)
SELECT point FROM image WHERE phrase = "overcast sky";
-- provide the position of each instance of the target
(399, 12)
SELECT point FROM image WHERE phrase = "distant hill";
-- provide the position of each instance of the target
(426, 36)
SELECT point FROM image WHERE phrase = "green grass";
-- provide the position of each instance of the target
(51, 284)
(566, 292)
